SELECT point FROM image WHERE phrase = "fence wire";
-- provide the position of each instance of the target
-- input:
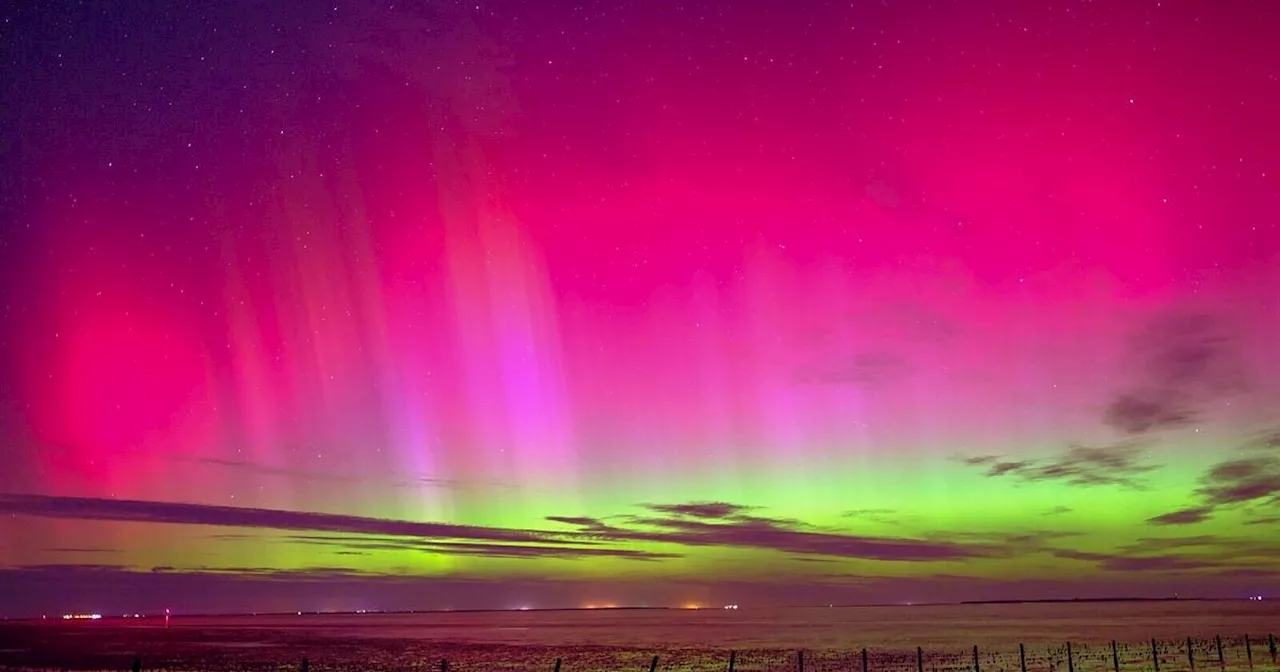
(1219, 654)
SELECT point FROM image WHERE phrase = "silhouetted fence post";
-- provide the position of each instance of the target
(919, 659)
(799, 661)
(653, 664)
(1271, 644)
(1191, 655)
(1115, 657)
(137, 664)
(1071, 663)
(976, 667)
(1022, 657)
(444, 665)
(864, 660)
(733, 655)
(1155, 654)
(1248, 650)
(557, 665)
(306, 665)
(1217, 639)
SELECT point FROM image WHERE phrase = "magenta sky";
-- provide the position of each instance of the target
(491, 305)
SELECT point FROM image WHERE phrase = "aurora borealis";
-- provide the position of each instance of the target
(502, 304)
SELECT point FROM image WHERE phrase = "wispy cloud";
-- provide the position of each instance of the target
(1242, 480)
(474, 549)
(1136, 563)
(718, 524)
(84, 508)
(1183, 359)
(701, 509)
(1187, 516)
(1251, 476)
(694, 524)
(864, 369)
(1119, 464)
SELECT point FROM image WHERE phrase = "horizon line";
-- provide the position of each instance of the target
(63, 617)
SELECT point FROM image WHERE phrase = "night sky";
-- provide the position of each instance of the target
(531, 304)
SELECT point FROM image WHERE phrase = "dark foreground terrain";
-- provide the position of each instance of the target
(107, 646)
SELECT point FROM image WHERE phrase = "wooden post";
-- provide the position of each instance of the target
(1248, 650)
(444, 665)
(1155, 654)
(919, 659)
(733, 655)
(306, 665)
(1115, 657)
(1271, 644)
(864, 660)
(976, 667)
(1191, 656)
(137, 664)
(557, 665)
(653, 664)
(1022, 657)
(1071, 663)
(1217, 639)
(799, 660)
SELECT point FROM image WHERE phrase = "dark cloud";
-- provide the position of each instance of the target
(689, 524)
(866, 348)
(84, 508)
(1183, 360)
(737, 529)
(1138, 563)
(1139, 412)
(1157, 563)
(731, 525)
(1118, 464)
(866, 369)
(486, 550)
(587, 527)
(1268, 440)
(81, 550)
(884, 516)
(1160, 544)
(1188, 516)
(1242, 480)
(1005, 544)
(1177, 554)
(858, 513)
(701, 509)
(1253, 479)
